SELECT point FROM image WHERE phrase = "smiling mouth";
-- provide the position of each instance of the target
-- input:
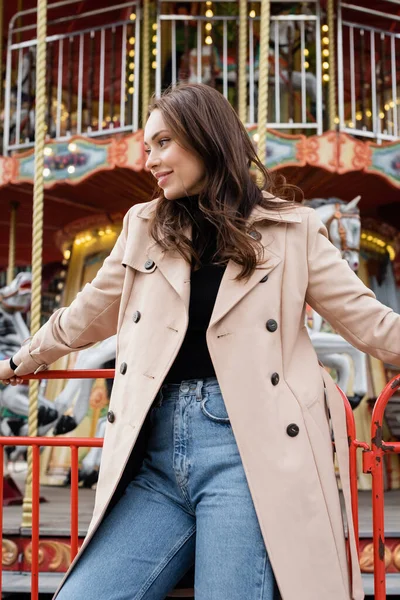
(163, 178)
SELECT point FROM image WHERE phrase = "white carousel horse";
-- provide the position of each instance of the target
(75, 398)
(14, 402)
(343, 223)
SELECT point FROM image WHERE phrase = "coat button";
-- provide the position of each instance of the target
(123, 368)
(292, 430)
(110, 416)
(272, 325)
(149, 264)
(274, 378)
(264, 279)
(136, 316)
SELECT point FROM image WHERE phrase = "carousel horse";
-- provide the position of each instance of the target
(74, 400)
(14, 401)
(342, 221)
(212, 64)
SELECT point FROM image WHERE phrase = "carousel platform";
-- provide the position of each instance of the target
(55, 529)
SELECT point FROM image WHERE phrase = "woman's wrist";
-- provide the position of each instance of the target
(12, 364)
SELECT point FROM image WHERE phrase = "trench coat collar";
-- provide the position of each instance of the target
(177, 270)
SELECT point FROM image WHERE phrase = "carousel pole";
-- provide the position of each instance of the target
(11, 245)
(37, 237)
(242, 91)
(332, 64)
(263, 80)
(146, 61)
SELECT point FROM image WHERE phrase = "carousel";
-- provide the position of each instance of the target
(316, 85)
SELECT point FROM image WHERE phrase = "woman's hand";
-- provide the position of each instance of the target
(7, 374)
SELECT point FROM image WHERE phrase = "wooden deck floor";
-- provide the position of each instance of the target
(55, 513)
(55, 521)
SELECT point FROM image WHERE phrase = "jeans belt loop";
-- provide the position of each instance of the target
(199, 387)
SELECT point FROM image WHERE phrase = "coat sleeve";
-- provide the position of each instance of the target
(338, 295)
(90, 318)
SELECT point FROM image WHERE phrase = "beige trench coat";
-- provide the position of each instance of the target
(291, 479)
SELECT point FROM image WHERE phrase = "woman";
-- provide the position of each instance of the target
(218, 450)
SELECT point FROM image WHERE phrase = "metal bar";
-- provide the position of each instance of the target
(101, 83)
(369, 134)
(137, 69)
(382, 85)
(90, 134)
(225, 57)
(72, 374)
(352, 77)
(80, 85)
(11, 245)
(199, 52)
(61, 36)
(378, 517)
(371, 11)
(277, 75)
(303, 74)
(340, 67)
(56, 442)
(112, 77)
(353, 445)
(373, 82)
(158, 48)
(362, 78)
(319, 69)
(59, 87)
(74, 502)
(35, 522)
(394, 84)
(173, 52)
(134, 72)
(251, 70)
(89, 91)
(7, 101)
(70, 83)
(123, 77)
(76, 17)
(49, 92)
(293, 125)
(19, 93)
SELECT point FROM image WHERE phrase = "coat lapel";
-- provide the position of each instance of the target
(231, 290)
(176, 269)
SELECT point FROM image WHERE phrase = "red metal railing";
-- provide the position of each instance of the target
(373, 459)
(373, 456)
(36, 443)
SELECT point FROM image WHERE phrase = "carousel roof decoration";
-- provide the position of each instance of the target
(75, 159)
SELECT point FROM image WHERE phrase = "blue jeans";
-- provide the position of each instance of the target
(189, 504)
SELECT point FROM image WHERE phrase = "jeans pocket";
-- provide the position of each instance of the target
(213, 407)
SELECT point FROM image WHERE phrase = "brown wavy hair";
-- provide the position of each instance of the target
(204, 122)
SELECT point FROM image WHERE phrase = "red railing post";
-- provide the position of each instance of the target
(35, 521)
(375, 466)
(74, 502)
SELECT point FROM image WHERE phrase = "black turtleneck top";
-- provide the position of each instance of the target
(193, 360)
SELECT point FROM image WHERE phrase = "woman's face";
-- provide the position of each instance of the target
(185, 171)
